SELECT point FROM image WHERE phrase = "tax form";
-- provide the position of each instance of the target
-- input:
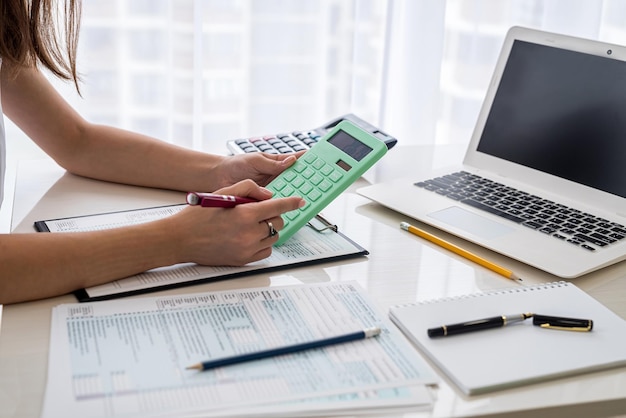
(128, 357)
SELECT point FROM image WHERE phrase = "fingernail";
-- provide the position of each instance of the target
(302, 203)
(265, 191)
(289, 160)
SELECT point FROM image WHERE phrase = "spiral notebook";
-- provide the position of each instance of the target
(519, 354)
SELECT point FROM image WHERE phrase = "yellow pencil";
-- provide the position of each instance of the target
(460, 251)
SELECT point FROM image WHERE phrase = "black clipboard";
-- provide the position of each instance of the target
(319, 225)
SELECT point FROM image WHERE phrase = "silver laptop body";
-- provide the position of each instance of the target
(553, 126)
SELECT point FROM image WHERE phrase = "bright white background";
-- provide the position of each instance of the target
(200, 72)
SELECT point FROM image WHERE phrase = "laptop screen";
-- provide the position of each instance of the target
(563, 113)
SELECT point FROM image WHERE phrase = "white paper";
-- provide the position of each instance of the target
(111, 220)
(371, 402)
(128, 357)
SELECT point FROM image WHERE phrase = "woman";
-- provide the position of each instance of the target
(36, 266)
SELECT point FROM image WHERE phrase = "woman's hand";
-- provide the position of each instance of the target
(260, 167)
(230, 236)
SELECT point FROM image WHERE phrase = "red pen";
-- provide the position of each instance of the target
(212, 200)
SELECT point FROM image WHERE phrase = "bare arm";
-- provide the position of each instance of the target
(35, 265)
(116, 155)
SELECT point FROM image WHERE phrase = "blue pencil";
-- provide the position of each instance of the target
(360, 335)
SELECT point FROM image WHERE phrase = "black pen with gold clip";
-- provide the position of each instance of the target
(543, 321)
(477, 325)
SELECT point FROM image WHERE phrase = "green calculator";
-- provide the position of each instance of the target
(325, 171)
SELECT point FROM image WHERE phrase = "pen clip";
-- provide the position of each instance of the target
(561, 323)
(325, 224)
(577, 329)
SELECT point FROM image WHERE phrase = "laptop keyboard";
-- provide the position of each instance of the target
(564, 223)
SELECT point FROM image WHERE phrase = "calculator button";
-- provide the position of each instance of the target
(318, 164)
(316, 179)
(299, 166)
(247, 147)
(305, 207)
(292, 214)
(282, 143)
(326, 170)
(297, 182)
(309, 157)
(289, 176)
(288, 191)
(325, 185)
(308, 173)
(314, 195)
(335, 176)
(306, 188)
(279, 184)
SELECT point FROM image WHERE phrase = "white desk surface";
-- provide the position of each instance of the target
(400, 268)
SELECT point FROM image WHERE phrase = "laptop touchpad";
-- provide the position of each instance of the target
(470, 222)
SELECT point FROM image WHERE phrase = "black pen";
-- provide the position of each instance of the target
(359, 335)
(477, 325)
(565, 324)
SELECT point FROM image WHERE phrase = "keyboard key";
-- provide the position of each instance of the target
(573, 226)
(591, 239)
(533, 225)
(492, 210)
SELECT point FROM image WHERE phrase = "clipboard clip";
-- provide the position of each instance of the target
(326, 224)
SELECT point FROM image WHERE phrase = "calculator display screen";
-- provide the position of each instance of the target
(350, 145)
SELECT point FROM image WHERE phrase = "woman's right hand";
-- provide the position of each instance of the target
(230, 236)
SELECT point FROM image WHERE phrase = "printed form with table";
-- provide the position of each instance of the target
(122, 351)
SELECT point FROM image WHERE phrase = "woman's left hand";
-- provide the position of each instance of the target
(260, 167)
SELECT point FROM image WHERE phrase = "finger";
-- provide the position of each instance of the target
(247, 188)
(278, 222)
(261, 254)
(270, 228)
(276, 163)
(275, 207)
(282, 157)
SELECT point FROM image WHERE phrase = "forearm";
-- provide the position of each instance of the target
(40, 265)
(34, 266)
(120, 156)
(97, 151)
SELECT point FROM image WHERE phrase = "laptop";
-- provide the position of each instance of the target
(543, 179)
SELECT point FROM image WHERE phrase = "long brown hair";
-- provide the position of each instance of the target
(32, 34)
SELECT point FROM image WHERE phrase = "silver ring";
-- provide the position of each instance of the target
(273, 230)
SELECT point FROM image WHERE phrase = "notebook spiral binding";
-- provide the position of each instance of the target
(494, 292)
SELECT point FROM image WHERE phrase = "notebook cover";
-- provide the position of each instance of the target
(519, 354)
